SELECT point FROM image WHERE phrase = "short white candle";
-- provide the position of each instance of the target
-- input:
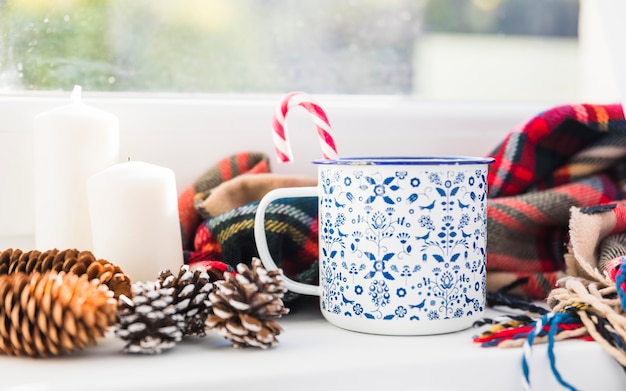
(134, 216)
(71, 143)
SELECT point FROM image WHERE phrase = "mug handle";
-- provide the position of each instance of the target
(261, 238)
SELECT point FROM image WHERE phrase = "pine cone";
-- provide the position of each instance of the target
(52, 313)
(191, 297)
(149, 322)
(69, 261)
(245, 304)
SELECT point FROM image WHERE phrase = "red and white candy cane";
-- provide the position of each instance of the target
(324, 131)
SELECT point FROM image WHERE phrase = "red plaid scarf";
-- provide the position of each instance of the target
(567, 156)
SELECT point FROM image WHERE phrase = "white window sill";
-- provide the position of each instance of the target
(312, 354)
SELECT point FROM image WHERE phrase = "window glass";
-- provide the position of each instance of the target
(437, 49)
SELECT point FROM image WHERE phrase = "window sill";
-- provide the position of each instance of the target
(315, 355)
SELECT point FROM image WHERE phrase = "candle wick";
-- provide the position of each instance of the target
(76, 94)
(129, 158)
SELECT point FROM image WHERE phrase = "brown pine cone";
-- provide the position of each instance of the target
(245, 304)
(52, 313)
(69, 261)
(191, 297)
(149, 322)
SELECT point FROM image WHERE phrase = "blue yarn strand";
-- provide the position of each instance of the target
(551, 356)
(553, 321)
(620, 282)
(528, 345)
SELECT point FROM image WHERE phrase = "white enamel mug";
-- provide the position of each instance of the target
(401, 242)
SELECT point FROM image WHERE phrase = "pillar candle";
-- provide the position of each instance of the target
(134, 217)
(71, 143)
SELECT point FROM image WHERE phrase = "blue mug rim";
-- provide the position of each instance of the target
(406, 160)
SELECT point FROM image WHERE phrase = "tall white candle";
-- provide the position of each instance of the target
(71, 143)
(134, 216)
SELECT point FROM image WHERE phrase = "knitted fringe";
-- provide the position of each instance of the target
(580, 309)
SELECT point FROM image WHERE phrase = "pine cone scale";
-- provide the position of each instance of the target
(26, 334)
(38, 346)
(57, 314)
(252, 342)
(15, 340)
(94, 270)
(236, 329)
(250, 323)
(31, 305)
(40, 291)
(275, 327)
(67, 344)
(50, 348)
(69, 324)
(212, 321)
(222, 311)
(239, 305)
(68, 264)
(47, 262)
(45, 308)
(84, 337)
(15, 314)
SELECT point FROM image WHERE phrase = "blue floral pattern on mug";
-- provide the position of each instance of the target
(403, 244)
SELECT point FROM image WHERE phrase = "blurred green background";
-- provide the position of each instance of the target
(250, 46)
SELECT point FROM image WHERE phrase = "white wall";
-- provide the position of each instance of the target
(190, 135)
(488, 67)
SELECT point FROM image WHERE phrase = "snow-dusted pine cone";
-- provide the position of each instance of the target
(149, 322)
(69, 261)
(52, 313)
(191, 297)
(245, 305)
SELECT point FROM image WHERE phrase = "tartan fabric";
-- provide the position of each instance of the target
(291, 230)
(227, 168)
(552, 148)
(567, 156)
(527, 233)
(228, 238)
